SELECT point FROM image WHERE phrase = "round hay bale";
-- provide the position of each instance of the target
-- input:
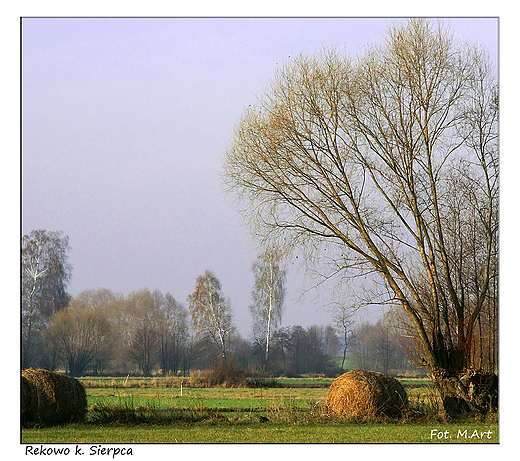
(52, 398)
(366, 393)
(28, 400)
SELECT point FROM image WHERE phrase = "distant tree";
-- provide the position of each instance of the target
(281, 341)
(81, 337)
(101, 298)
(174, 336)
(242, 352)
(45, 274)
(210, 312)
(268, 297)
(298, 350)
(360, 354)
(147, 328)
(314, 350)
(344, 325)
(110, 305)
(332, 343)
(139, 325)
(375, 348)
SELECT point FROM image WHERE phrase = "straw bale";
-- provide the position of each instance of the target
(366, 393)
(51, 398)
(28, 400)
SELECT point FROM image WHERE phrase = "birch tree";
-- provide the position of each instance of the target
(210, 312)
(268, 297)
(45, 274)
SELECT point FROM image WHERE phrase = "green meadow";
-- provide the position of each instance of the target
(154, 411)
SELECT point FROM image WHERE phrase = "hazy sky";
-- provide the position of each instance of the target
(125, 123)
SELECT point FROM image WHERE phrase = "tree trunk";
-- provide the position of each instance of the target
(344, 358)
(454, 396)
(465, 391)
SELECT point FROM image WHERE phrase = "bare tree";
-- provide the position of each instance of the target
(210, 312)
(359, 156)
(174, 336)
(45, 274)
(139, 324)
(344, 324)
(268, 297)
(305, 350)
(81, 336)
(109, 305)
(375, 348)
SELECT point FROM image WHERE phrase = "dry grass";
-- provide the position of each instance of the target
(221, 374)
(363, 393)
(51, 398)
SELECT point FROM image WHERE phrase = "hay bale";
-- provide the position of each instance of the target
(51, 398)
(28, 400)
(366, 393)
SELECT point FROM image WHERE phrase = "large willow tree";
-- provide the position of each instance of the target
(388, 164)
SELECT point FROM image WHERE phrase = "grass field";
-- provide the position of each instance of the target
(268, 433)
(140, 411)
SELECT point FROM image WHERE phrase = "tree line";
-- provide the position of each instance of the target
(145, 332)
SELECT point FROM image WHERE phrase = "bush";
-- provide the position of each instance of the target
(263, 382)
(223, 373)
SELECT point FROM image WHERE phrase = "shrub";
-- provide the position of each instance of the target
(223, 373)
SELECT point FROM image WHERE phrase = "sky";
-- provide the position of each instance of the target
(125, 122)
